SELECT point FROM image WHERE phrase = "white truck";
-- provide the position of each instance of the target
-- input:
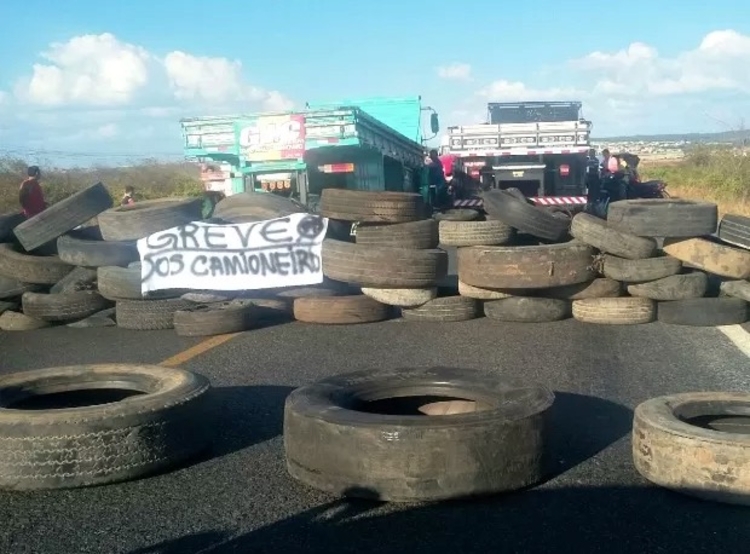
(540, 148)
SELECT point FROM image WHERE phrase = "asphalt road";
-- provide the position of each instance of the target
(239, 498)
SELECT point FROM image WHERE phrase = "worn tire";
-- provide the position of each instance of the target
(598, 288)
(475, 233)
(64, 216)
(374, 207)
(711, 256)
(639, 271)
(340, 310)
(526, 309)
(615, 311)
(68, 306)
(419, 235)
(694, 459)
(735, 229)
(8, 306)
(595, 232)
(704, 312)
(403, 298)
(81, 278)
(444, 309)
(383, 267)
(16, 321)
(96, 253)
(10, 287)
(737, 289)
(457, 215)
(37, 270)
(479, 293)
(216, 318)
(124, 283)
(674, 287)
(525, 217)
(125, 223)
(407, 458)
(98, 444)
(149, 315)
(526, 267)
(247, 207)
(663, 217)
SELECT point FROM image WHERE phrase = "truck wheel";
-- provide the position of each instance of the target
(417, 235)
(96, 253)
(444, 309)
(639, 271)
(710, 256)
(659, 217)
(598, 288)
(479, 293)
(674, 287)
(457, 215)
(696, 444)
(403, 298)
(594, 231)
(16, 321)
(475, 233)
(149, 315)
(525, 309)
(525, 217)
(736, 289)
(37, 270)
(66, 306)
(615, 311)
(337, 310)
(371, 207)
(488, 434)
(216, 318)
(125, 223)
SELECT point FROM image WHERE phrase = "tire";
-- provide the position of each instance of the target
(16, 321)
(126, 223)
(383, 267)
(373, 207)
(639, 271)
(704, 312)
(525, 217)
(735, 229)
(403, 458)
(96, 253)
(81, 278)
(149, 315)
(120, 283)
(475, 233)
(37, 270)
(526, 267)
(8, 306)
(663, 217)
(415, 235)
(247, 207)
(675, 447)
(68, 306)
(64, 216)
(711, 257)
(10, 288)
(595, 232)
(598, 288)
(457, 215)
(340, 310)
(8, 222)
(99, 444)
(675, 287)
(736, 289)
(214, 319)
(615, 311)
(478, 293)
(444, 309)
(403, 298)
(524, 309)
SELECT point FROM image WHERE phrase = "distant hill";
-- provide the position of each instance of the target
(725, 136)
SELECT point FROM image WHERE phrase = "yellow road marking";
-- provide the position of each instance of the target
(200, 348)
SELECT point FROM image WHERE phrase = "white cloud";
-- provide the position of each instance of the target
(455, 71)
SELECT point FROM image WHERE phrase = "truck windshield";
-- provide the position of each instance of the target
(533, 112)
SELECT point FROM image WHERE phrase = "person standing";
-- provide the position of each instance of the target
(30, 194)
(128, 199)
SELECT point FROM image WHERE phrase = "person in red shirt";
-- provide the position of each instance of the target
(30, 195)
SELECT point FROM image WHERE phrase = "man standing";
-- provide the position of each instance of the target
(30, 195)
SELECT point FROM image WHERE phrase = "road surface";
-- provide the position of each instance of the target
(239, 498)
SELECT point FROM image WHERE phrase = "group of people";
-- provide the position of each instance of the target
(612, 173)
(31, 195)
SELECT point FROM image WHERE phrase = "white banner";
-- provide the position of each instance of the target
(281, 252)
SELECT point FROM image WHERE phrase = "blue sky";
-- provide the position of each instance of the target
(117, 76)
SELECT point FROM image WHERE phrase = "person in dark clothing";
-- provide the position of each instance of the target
(436, 177)
(593, 177)
(30, 194)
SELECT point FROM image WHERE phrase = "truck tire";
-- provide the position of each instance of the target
(595, 232)
(639, 271)
(369, 266)
(527, 267)
(100, 440)
(475, 233)
(64, 216)
(96, 253)
(371, 207)
(124, 283)
(403, 298)
(81, 278)
(67, 306)
(7, 306)
(704, 312)
(10, 287)
(615, 311)
(376, 448)
(36, 270)
(457, 215)
(674, 287)
(735, 229)
(416, 235)
(711, 257)
(598, 288)
(127, 223)
(444, 309)
(148, 315)
(16, 321)
(247, 207)
(478, 293)
(8, 222)
(663, 217)
(340, 310)
(736, 289)
(525, 217)
(218, 318)
(695, 443)
(526, 309)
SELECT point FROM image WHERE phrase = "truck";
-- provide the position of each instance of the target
(540, 148)
(370, 144)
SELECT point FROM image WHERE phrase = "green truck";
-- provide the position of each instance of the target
(371, 144)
